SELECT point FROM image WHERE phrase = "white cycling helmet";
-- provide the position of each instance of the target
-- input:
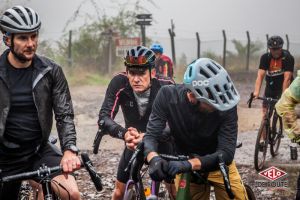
(20, 19)
(210, 83)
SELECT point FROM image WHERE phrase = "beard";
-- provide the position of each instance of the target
(21, 57)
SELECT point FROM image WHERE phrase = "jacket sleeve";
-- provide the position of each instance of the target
(285, 108)
(63, 109)
(156, 127)
(110, 108)
(227, 137)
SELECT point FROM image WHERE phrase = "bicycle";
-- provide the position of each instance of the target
(135, 190)
(45, 172)
(270, 132)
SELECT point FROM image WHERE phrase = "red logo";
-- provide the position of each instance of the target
(272, 173)
(182, 183)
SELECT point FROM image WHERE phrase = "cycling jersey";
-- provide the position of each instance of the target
(119, 93)
(275, 69)
(194, 132)
(164, 66)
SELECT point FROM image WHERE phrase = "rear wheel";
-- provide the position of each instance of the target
(276, 134)
(261, 147)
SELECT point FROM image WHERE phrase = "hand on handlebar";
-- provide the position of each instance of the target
(177, 167)
(158, 168)
(70, 162)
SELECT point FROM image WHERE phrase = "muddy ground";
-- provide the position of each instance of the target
(87, 101)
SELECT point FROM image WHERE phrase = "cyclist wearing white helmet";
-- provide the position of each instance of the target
(32, 87)
(202, 117)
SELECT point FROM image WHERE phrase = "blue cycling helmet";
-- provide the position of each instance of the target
(210, 83)
(157, 48)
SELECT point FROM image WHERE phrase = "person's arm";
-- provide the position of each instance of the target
(227, 136)
(287, 80)
(156, 124)
(260, 77)
(63, 109)
(110, 107)
(64, 115)
(288, 72)
(285, 108)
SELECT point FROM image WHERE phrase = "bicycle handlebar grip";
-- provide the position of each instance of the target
(98, 138)
(93, 173)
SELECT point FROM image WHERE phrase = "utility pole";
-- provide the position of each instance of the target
(143, 20)
(224, 48)
(70, 49)
(248, 50)
(198, 44)
(287, 42)
(172, 35)
(109, 34)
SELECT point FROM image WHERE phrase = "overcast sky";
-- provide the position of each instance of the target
(208, 17)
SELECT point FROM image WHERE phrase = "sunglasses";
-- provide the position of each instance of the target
(132, 60)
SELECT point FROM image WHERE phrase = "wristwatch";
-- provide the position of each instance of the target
(72, 148)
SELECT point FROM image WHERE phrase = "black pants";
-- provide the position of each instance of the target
(46, 155)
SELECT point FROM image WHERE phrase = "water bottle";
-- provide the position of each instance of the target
(184, 187)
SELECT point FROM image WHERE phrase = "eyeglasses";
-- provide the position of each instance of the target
(132, 60)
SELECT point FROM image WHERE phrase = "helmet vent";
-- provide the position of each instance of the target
(225, 87)
(217, 88)
(190, 71)
(228, 79)
(212, 69)
(216, 65)
(229, 95)
(199, 92)
(210, 94)
(223, 99)
(204, 73)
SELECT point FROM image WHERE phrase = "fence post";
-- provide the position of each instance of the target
(287, 42)
(70, 49)
(172, 35)
(224, 48)
(267, 36)
(198, 44)
(248, 50)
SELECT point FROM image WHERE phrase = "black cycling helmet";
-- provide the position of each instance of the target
(275, 42)
(139, 57)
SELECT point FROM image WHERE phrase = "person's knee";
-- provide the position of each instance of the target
(119, 190)
(74, 194)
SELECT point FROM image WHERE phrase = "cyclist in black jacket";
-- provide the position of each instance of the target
(32, 88)
(202, 117)
(134, 91)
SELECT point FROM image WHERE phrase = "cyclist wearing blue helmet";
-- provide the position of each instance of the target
(163, 64)
(202, 117)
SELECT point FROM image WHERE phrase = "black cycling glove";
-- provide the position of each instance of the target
(177, 167)
(158, 168)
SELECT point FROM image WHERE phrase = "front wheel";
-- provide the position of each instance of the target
(130, 194)
(276, 134)
(250, 193)
(261, 146)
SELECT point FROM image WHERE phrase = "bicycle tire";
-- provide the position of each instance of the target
(275, 134)
(130, 194)
(250, 193)
(260, 165)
